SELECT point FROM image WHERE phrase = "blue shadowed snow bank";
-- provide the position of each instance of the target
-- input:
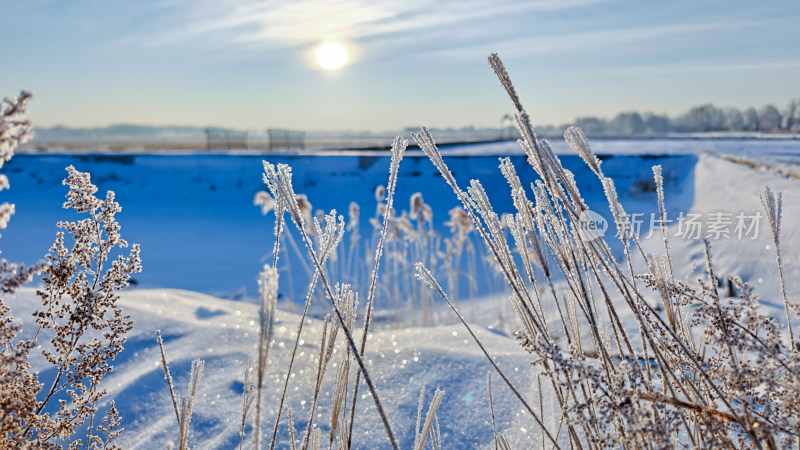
(199, 230)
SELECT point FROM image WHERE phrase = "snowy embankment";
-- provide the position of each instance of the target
(224, 334)
(724, 190)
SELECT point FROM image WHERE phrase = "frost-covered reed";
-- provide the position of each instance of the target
(676, 386)
(278, 180)
(655, 382)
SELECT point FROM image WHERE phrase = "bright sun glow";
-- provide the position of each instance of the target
(331, 55)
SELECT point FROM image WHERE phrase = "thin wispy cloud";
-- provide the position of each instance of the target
(685, 68)
(292, 23)
(619, 39)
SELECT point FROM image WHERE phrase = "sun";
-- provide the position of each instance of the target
(331, 55)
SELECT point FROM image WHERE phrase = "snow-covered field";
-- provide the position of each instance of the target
(200, 232)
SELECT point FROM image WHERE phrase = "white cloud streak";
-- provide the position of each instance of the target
(616, 38)
(287, 23)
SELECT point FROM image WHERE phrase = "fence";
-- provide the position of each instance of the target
(225, 140)
(286, 139)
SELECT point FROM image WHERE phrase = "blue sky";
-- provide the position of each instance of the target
(248, 64)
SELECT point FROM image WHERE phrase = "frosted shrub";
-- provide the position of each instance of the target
(81, 311)
(18, 384)
(15, 128)
(80, 328)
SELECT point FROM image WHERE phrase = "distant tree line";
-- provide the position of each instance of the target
(704, 118)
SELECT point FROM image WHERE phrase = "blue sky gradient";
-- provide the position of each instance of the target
(247, 64)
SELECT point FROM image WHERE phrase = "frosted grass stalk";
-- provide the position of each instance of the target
(398, 150)
(524, 223)
(268, 286)
(280, 180)
(424, 275)
(662, 211)
(248, 396)
(555, 180)
(491, 408)
(773, 205)
(515, 227)
(576, 140)
(420, 404)
(524, 211)
(316, 439)
(330, 239)
(339, 394)
(322, 364)
(291, 429)
(426, 142)
(187, 403)
(167, 376)
(435, 402)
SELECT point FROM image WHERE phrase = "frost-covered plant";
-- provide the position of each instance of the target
(18, 383)
(737, 385)
(410, 236)
(248, 396)
(184, 405)
(80, 317)
(279, 181)
(421, 435)
(268, 287)
(391, 233)
(15, 129)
